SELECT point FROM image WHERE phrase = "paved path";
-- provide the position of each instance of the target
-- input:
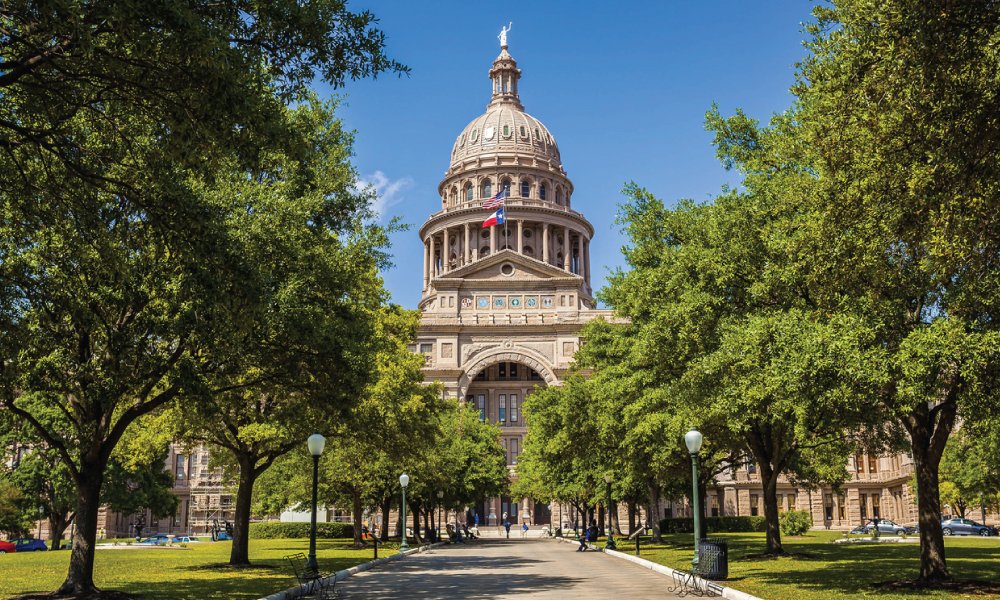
(504, 569)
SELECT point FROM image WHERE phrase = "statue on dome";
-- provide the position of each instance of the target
(503, 34)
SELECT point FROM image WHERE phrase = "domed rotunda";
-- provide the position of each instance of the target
(503, 304)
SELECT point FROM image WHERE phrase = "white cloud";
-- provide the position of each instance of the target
(389, 192)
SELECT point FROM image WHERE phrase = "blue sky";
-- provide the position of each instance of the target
(623, 87)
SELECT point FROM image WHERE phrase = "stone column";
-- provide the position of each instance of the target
(427, 264)
(567, 249)
(579, 254)
(520, 237)
(586, 265)
(545, 243)
(433, 257)
(466, 255)
(446, 251)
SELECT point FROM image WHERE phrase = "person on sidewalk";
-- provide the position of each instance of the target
(524, 530)
(506, 526)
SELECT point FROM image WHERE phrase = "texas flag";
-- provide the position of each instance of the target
(495, 219)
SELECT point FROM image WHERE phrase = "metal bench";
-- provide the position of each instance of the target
(686, 583)
(322, 586)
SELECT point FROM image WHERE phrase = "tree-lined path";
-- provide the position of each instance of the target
(507, 568)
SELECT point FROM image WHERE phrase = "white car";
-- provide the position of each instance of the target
(185, 539)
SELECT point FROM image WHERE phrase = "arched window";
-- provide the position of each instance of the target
(487, 189)
(505, 185)
(468, 192)
(541, 192)
(454, 196)
(558, 195)
(525, 188)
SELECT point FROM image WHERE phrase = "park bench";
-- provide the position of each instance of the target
(323, 586)
(686, 583)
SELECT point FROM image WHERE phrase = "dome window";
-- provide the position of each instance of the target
(468, 192)
(558, 196)
(506, 131)
(462, 141)
(541, 192)
(537, 137)
(474, 136)
(487, 189)
(523, 132)
(525, 189)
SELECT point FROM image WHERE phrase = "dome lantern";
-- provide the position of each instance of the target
(504, 75)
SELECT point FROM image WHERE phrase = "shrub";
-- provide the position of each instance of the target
(714, 525)
(795, 522)
(274, 530)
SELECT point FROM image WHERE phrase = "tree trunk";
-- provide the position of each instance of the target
(57, 527)
(385, 506)
(769, 479)
(652, 514)
(927, 442)
(631, 518)
(600, 519)
(239, 555)
(616, 527)
(415, 510)
(357, 510)
(80, 579)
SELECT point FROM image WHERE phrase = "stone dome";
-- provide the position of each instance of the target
(505, 128)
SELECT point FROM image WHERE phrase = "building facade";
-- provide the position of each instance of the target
(502, 306)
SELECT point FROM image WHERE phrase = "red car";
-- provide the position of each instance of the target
(6, 547)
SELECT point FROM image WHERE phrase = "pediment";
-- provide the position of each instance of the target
(508, 265)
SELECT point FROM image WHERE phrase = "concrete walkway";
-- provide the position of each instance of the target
(504, 569)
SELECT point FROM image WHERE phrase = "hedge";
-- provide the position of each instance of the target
(274, 530)
(795, 522)
(714, 525)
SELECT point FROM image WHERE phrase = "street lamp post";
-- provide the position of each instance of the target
(316, 444)
(440, 499)
(692, 440)
(404, 480)
(611, 539)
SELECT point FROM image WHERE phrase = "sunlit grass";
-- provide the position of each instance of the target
(820, 570)
(198, 572)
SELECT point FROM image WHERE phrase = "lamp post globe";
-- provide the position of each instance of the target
(404, 480)
(316, 443)
(693, 440)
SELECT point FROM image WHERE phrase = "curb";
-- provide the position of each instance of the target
(302, 590)
(727, 592)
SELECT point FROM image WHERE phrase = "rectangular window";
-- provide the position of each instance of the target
(525, 188)
(751, 467)
(781, 503)
(513, 370)
(754, 503)
(513, 408)
(426, 348)
(180, 467)
(533, 375)
(226, 501)
(872, 465)
(863, 503)
(481, 404)
(513, 450)
(859, 464)
(875, 506)
(841, 508)
(791, 501)
(502, 371)
(715, 506)
(828, 507)
(482, 375)
(503, 407)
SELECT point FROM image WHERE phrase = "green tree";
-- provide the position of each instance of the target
(970, 471)
(115, 268)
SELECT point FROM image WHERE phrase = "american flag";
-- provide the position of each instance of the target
(496, 201)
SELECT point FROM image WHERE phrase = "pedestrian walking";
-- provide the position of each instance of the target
(524, 530)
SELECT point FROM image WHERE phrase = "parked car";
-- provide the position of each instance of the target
(157, 539)
(223, 536)
(889, 527)
(958, 526)
(6, 547)
(29, 545)
(185, 539)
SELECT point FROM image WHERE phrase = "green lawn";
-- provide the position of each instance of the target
(197, 573)
(823, 570)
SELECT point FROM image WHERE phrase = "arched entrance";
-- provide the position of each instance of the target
(496, 385)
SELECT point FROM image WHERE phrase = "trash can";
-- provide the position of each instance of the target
(713, 558)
